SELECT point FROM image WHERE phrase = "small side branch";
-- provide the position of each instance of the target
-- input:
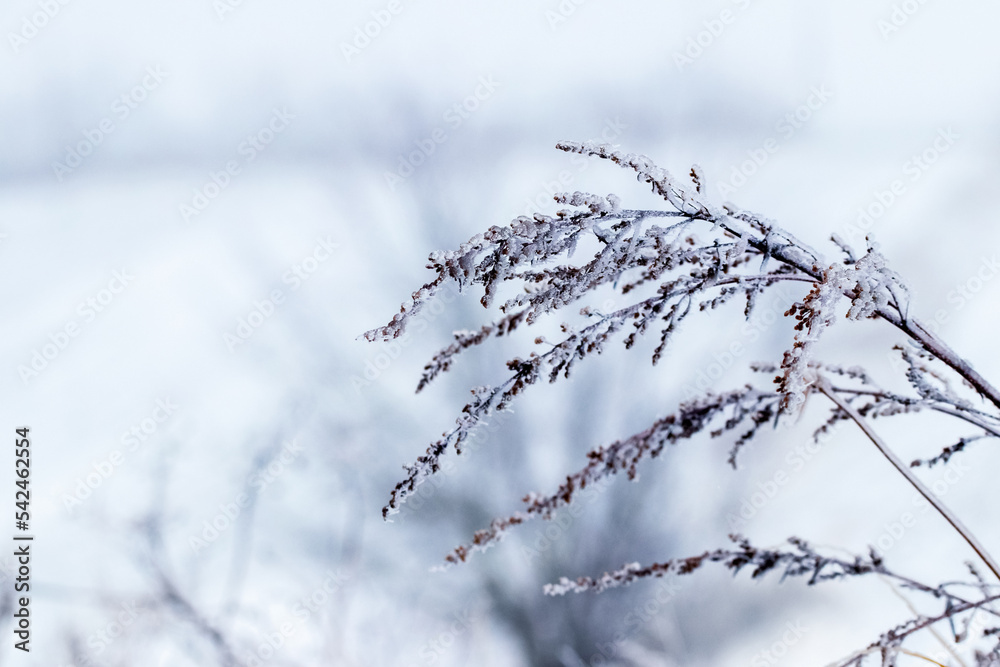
(824, 387)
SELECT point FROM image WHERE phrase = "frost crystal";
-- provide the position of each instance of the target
(872, 287)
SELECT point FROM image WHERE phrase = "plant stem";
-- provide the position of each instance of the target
(918, 332)
(824, 387)
(943, 409)
(910, 326)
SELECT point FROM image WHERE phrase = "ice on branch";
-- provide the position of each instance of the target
(872, 288)
(803, 561)
(738, 407)
(665, 266)
(609, 205)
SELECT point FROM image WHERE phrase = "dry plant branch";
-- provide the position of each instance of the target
(658, 259)
(824, 387)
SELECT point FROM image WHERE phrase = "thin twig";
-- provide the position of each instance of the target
(944, 409)
(931, 629)
(824, 386)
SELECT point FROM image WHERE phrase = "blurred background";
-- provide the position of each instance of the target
(204, 204)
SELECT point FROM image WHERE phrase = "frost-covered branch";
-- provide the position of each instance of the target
(803, 561)
(625, 455)
(667, 265)
(901, 467)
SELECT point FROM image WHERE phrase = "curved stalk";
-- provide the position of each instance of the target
(826, 389)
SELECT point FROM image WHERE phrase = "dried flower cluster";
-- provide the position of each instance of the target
(743, 255)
